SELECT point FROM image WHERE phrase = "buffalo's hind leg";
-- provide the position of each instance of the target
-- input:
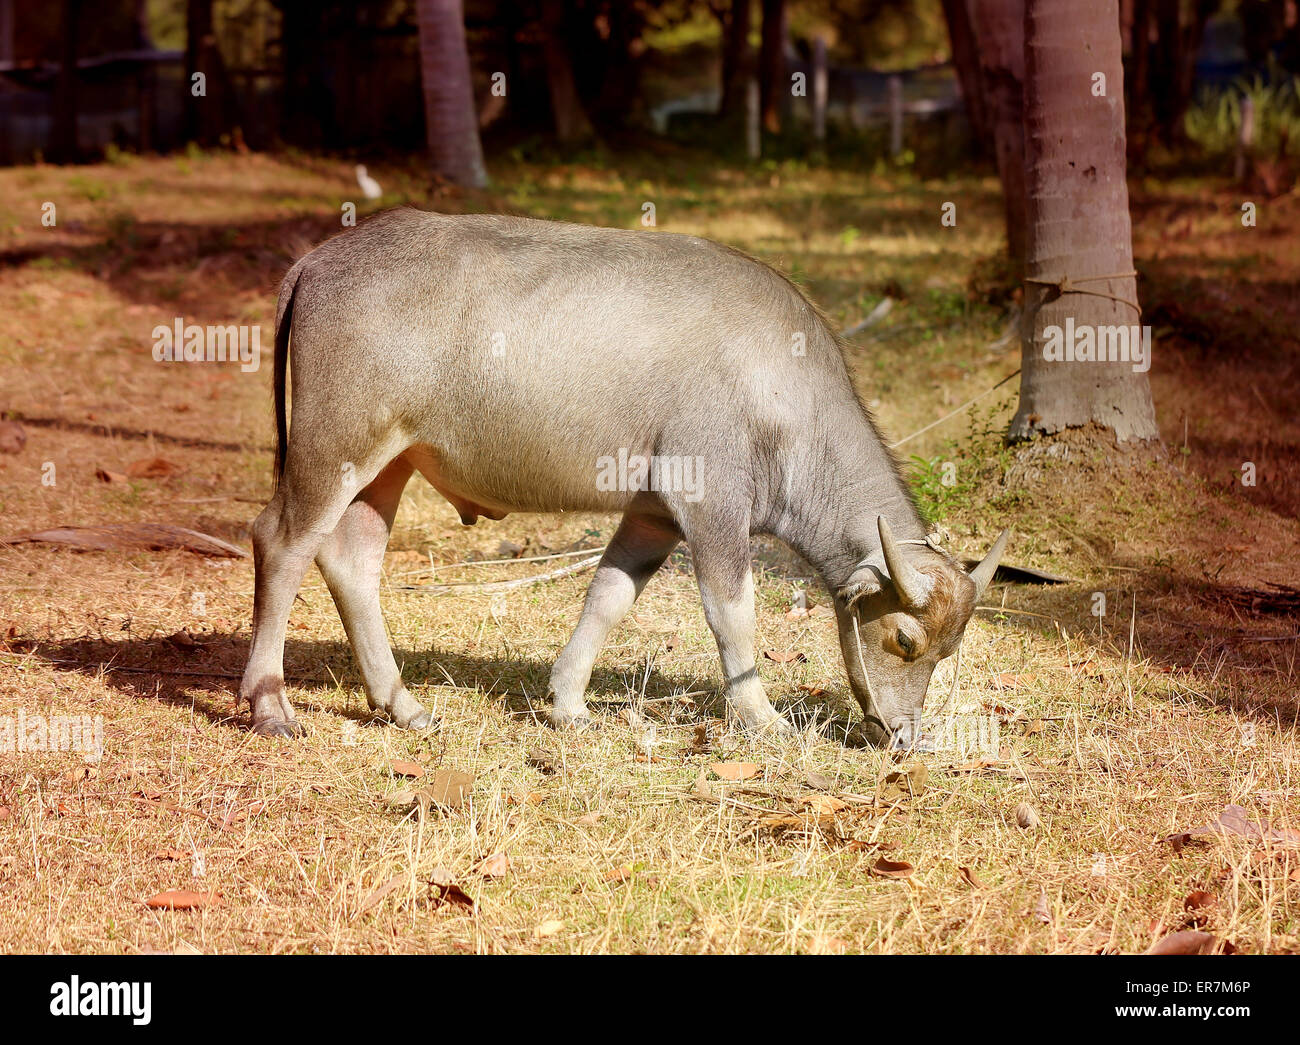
(635, 553)
(351, 560)
(305, 509)
(285, 538)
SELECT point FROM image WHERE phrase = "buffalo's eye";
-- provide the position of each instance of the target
(904, 643)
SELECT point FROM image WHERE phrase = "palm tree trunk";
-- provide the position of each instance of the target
(999, 36)
(1078, 226)
(455, 152)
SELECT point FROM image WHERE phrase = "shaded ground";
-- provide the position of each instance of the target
(1117, 730)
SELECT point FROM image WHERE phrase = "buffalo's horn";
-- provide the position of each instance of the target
(912, 585)
(983, 573)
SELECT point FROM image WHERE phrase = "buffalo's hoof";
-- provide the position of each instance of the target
(424, 720)
(279, 727)
(777, 726)
(579, 721)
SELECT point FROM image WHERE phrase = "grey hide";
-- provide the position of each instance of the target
(533, 366)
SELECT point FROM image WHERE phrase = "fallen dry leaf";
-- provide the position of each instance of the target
(824, 804)
(548, 928)
(236, 814)
(1026, 817)
(153, 468)
(735, 770)
(1189, 941)
(1199, 905)
(542, 760)
(968, 876)
(892, 868)
(183, 900)
(378, 894)
(619, 874)
(495, 866)
(784, 656)
(407, 769)
(910, 780)
(701, 789)
(13, 437)
(449, 788)
(1235, 821)
(444, 892)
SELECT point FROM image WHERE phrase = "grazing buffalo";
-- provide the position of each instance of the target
(533, 366)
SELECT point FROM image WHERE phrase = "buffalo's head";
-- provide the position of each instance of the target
(900, 613)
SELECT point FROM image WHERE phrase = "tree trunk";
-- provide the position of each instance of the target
(773, 89)
(737, 61)
(966, 63)
(64, 138)
(1078, 226)
(146, 80)
(1171, 65)
(210, 116)
(455, 151)
(6, 30)
(1138, 80)
(999, 37)
(571, 122)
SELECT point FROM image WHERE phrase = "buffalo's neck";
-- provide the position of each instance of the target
(823, 497)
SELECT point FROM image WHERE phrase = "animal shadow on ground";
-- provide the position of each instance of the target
(204, 676)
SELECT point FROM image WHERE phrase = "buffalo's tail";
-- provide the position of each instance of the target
(283, 326)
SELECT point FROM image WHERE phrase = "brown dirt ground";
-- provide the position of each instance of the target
(1115, 741)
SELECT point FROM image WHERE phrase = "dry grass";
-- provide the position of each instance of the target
(613, 850)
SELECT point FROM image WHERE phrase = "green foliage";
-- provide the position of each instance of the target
(939, 487)
(1214, 119)
(951, 482)
(88, 188)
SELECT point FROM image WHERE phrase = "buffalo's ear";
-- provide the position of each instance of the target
(867, 579)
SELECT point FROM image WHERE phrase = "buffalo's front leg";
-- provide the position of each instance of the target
(635, 553)
(727, 591)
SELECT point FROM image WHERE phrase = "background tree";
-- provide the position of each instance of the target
(211, 115)
(999, 37)
(455, 151)
(1164, 40)
(571, 122)
(737, 59)
(64, 140)
(1078, 222)
(773, 89)
(966, 63)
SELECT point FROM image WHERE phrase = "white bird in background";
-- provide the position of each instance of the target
(369, 186)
